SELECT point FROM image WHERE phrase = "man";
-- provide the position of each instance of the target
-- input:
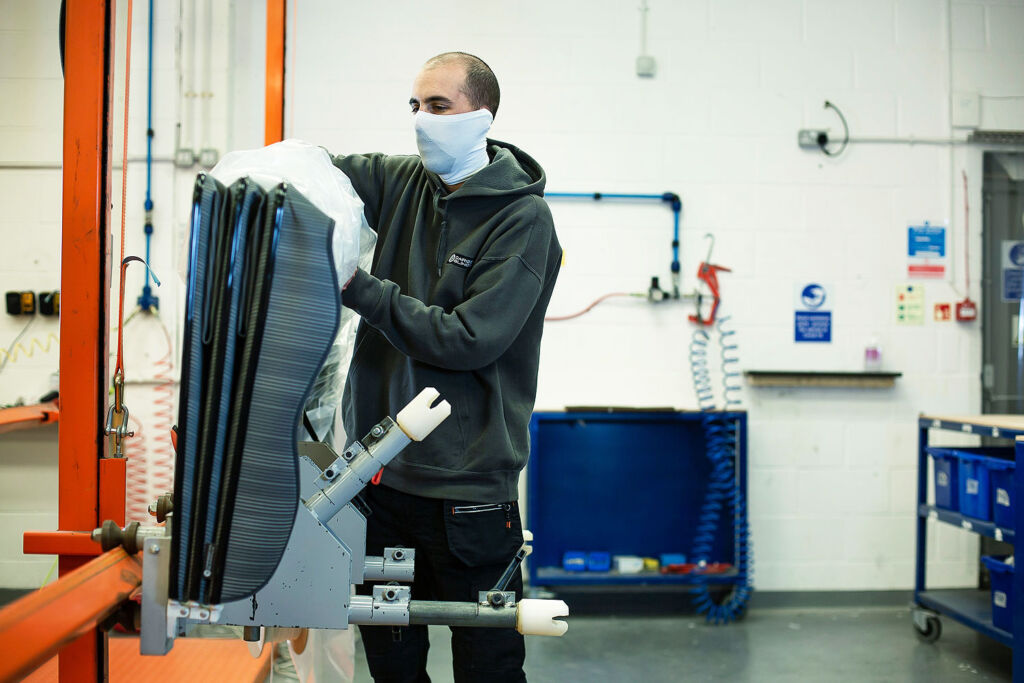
(465, 262)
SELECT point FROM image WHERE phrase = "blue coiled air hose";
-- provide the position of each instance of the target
(723, 497)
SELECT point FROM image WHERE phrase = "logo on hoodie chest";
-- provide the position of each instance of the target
(460, 261)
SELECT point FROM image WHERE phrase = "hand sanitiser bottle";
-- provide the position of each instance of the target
(872, 356)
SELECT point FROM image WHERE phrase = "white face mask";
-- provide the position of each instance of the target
(454, 146)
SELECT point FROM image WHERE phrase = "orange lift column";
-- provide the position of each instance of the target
(274, 102)
(85, 287)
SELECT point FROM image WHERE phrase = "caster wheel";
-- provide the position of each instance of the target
(932, 629)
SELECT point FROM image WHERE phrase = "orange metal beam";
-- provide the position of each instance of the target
(60, 543)
(274, 104)
(85, 287)
(35, 627)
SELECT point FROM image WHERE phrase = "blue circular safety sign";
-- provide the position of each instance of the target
(1017, 254)
(813, 296)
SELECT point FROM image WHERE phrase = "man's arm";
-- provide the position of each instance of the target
(501, 289)
(366, 171)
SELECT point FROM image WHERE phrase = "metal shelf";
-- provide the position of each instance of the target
(978, 526)
(971, 607)
(1002, 426)
(27, 417)
(553, 576)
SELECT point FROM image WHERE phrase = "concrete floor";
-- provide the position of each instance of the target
(771, 645)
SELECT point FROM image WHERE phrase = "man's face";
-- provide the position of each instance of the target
(438, 90)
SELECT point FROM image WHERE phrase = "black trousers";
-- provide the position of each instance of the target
(462, 548)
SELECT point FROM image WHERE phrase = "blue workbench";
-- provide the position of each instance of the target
(626, 483)
(970, 606)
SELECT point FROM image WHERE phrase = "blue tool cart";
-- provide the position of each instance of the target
(974, 489)
(630, 483)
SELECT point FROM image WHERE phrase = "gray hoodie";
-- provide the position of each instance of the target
(455, 300)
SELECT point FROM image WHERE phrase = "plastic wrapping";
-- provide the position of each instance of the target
(329, 656)
(308, 168)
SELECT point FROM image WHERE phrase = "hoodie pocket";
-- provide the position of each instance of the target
(445, 447)
(483, 534)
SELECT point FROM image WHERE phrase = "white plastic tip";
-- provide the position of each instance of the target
(527, 540)
(537, 617)
(419, 418)
(256, 647)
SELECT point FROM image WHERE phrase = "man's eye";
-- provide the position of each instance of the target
(415, 108)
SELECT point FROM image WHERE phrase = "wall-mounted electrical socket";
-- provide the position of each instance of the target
(812, 138)
(21, 303)
(646, 67)
(208, 157)
(49, 303)
(184, 158)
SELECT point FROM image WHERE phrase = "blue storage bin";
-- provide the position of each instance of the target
(1001, 574)
(963, 478)
(946, 482)
(574, 561)
(974, 488)
(599, 562)
(1002, 493)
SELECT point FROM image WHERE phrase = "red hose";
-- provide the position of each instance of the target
(150, 466)
(556, 318)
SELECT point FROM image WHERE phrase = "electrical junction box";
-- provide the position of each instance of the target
(184, 158)
(208, 157)
(646, 67)
(811, 138)
(966, 110)
(49, 303)
(21, 303)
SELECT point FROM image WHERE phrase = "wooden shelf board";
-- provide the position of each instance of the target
(817, 378)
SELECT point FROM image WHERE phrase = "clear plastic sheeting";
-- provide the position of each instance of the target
(309, 170)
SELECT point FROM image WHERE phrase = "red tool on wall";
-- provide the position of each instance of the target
(708, 274)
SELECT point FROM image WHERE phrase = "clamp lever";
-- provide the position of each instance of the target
(513, 567)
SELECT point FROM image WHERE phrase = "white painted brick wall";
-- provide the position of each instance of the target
(833, 472)
(31, 89)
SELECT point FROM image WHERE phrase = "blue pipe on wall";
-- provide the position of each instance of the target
(671, 198)
(147, 301)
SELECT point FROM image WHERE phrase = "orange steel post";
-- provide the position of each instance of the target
(60, 543)
(85, 284)
(112, 475)
(274, 104)
(35, 627)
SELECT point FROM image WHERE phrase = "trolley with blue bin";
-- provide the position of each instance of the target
(974, 489)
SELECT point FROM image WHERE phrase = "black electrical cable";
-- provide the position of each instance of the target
(823, 139)
(60, 33)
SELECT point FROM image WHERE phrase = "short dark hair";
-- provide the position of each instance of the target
(481, 86)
